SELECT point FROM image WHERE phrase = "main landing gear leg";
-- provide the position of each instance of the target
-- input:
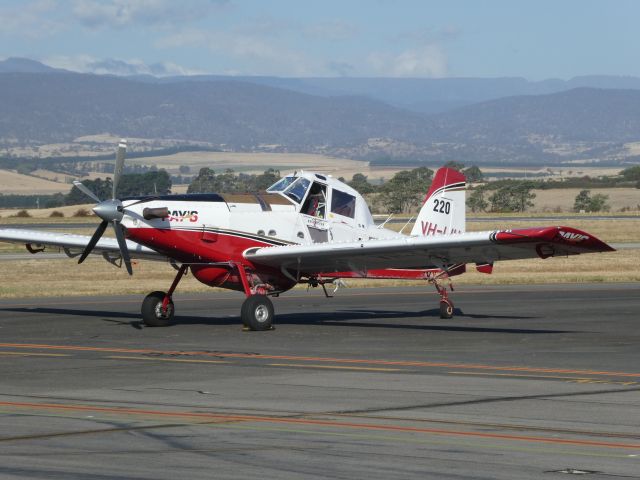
(446, 305)
(157, 307)
(257, 310)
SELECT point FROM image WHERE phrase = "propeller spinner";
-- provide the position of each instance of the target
(110, 211)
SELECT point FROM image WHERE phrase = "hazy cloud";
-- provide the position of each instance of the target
(34, 19)
(342, 69)
(263, 26)
(334, 30)
(115, 66)
(267, 56)
(123, 13)
(430, 36)
(424, 61)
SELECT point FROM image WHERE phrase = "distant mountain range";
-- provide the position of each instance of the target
(495, 120)
(422, 95)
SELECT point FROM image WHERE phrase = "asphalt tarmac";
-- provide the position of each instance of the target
(526, 382)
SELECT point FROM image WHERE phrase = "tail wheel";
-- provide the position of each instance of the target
(153, 315)
(257, 313)
(446, 309)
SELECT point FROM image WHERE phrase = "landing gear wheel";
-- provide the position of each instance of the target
(257, 313)
(152, 314)
(446, 309)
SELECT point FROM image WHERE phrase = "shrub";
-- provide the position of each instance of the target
(81, 212)
(56, 214)
(587, 203)
(22, 214)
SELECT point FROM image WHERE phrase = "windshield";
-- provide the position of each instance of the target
(281, 184)
(298, 189)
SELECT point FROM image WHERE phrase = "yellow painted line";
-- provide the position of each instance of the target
(517, 375)
(336, 367)
(555, 377)
(21, 354)
(295, 422)
(350, 361)
(154, 359)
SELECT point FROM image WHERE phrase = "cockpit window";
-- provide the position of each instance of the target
(343, 204)
(298, 189)
(316, 203)
(281, 184)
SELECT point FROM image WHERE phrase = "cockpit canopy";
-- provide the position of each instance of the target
(323, 197)
(293, 187)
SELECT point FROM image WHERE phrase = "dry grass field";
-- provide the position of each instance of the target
(259, 162)
(37, 215)
(563, 199)
(338, 167)
(558, 173)
(53, 278)
(42, 277)
(15, 183)
(610, 231)
(546, 200)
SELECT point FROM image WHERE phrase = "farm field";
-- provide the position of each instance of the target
(259, 162)
(557, 200)
(15, 183)
(563, 199)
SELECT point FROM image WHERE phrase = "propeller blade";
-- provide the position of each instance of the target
(83, 188)
(122, 243)
(145, 199)
(117, 173)
(94, 239)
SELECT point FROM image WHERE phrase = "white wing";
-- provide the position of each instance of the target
(74, 244)
(428, 252)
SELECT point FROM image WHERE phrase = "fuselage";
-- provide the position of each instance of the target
(211, 232)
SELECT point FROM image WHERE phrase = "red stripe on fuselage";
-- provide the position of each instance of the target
(196, 245)
(193, 246)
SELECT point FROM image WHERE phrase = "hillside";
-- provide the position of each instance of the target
(44, 108)
(578, 115)
(427, 95)
(583, 123)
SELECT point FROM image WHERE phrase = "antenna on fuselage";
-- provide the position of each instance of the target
(406, 224)
(385, 222)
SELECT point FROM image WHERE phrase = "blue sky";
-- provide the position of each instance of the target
(403, 38)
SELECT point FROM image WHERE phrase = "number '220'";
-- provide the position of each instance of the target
(442, 206)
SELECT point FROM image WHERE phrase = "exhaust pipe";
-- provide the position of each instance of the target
(151, 213)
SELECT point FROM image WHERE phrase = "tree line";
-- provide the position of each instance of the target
(131, 185)
(402, 193)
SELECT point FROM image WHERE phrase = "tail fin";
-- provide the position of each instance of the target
(443, 212)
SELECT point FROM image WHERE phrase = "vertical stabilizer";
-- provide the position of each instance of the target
(443, 211)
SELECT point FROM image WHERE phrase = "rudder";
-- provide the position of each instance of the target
(444, 209)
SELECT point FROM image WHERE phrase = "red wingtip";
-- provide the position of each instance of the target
(571, 238)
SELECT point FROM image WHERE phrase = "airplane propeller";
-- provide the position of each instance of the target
(110, 211)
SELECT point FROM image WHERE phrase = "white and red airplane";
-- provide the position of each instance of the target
(306, 228)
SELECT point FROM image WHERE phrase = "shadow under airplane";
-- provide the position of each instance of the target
(341, 318)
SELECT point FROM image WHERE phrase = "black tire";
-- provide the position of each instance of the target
(257, 313)
(152, 315)
(446, 310)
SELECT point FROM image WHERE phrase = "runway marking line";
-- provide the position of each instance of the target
(157, 359)
(33, 354)
(322, 423)
(555, 377)
(260, 356)
(336, 367)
